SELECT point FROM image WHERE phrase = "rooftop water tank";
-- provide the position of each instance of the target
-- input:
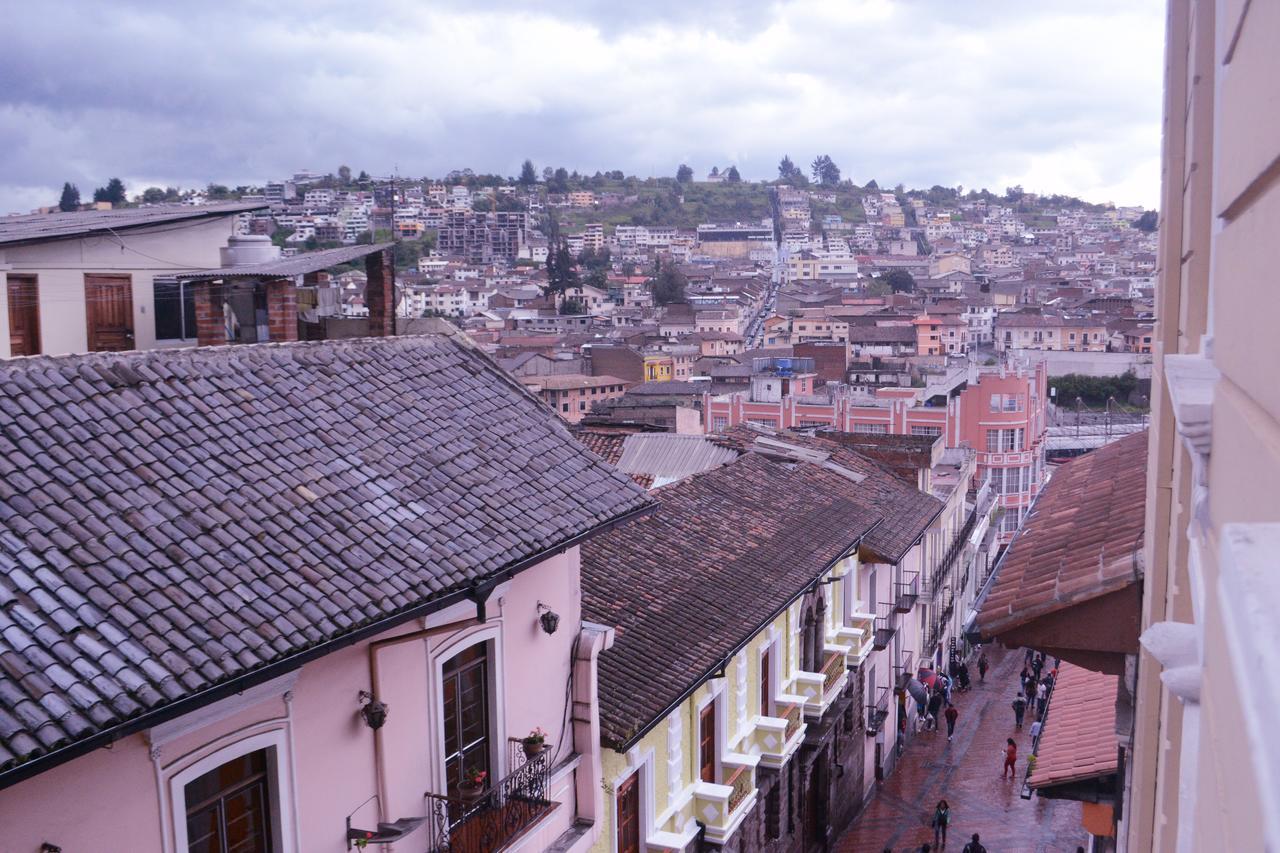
(245, 249)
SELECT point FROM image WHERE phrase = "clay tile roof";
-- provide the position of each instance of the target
(723, 554)
(1079, 739)
(178, 519)
(1081, 539)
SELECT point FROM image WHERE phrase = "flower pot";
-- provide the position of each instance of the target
(470, 793)
(533, 750)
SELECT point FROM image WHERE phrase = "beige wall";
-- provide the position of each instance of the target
(60, 267)
(1199, 768)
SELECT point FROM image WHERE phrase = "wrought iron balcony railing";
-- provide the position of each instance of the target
(877, 711)
(906, 592)
(497, 816)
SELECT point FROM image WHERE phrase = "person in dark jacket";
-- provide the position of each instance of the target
(974, 846)
(951, 713)
(983, 666)
(941, 819)
(935, 705)
(1019, 709)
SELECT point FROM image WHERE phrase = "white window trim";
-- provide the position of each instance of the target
(490, 632)
(278, 741)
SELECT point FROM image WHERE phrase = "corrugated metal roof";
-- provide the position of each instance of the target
(288, 267)
(55, 226)
(670, 455)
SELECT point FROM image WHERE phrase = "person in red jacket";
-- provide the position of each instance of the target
(951, 713)
(1010, 758)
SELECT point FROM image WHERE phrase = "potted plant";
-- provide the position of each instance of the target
(534, 743)
(472, 785)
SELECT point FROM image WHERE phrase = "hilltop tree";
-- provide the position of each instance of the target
(1147, 222)
(344, 175)
(900, 281)
(825, 171)
(363, 177)
(112, 192)
(559, 181)
(70, 198)
(732, 175)
(153, 195)
(528, 177)
(786, 169)
(872, 186)
(684, 174)
(715, 170)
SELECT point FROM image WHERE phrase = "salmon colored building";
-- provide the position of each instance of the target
(1000, 415)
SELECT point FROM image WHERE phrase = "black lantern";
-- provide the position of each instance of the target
(549, 618)
(373, 711)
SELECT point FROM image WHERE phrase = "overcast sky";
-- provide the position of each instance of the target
(1059, 97)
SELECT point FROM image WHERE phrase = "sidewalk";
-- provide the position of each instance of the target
(966, 772)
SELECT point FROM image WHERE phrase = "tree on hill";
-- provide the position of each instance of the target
(900, 281)
(825, 171)
(732, 175)
(70, 198)
(668, 283)
(878, 287)
(1148, 221)
(684, 174)
(787, 171)
(562, 271)
(559, 181)
(112, 192)
(363, 177)
(344, 175)
(872, 186)
(528, 177)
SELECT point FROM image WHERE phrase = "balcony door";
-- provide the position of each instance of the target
(629, 815)
(109, 311)
(24, 315)
(466, 713)
(766, 708)
(707, 743)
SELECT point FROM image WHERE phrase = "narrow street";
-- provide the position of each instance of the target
(966, 772)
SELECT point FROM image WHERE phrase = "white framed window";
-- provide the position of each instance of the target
(239, 791)
(926, 430)
(871, 429)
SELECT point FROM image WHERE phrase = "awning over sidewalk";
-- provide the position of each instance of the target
(1070, 583)
(1079, 742)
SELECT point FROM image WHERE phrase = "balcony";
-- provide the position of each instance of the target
(857, 636)
(906, 593)
(776, 739)
(884, 631)
(903, 671)
(877, 711)
(723, 806)
(501, 814)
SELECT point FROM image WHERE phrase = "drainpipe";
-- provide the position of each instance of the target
(379, 749)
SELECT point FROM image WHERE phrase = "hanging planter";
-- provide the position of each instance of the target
(471, 788)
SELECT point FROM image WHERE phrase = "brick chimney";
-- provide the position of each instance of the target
(282, 310)
(378, 295)
(211, 325)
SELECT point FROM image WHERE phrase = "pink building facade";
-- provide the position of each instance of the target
(321, 762)
(1001, 415)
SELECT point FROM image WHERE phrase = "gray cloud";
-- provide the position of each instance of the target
(1060, 99)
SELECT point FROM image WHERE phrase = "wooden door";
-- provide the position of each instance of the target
(707, 743)
(629, 815)
(24, 315)
(109, 308)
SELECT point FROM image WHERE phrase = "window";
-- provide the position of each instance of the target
(629, 815)
(564, 407)
(766, 707)
(175, 309)
(707, 743)
(871, 429)
(993, 441)
(719, 423)
(466, 714)
(926, 430)
(229, 808)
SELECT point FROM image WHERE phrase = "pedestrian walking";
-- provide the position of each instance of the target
(935, 706)
(951, 713)
(1042, 699)
(1023, 678)
(983, 666)
(974, 846)
(1019, 709)
(962, 677)
(941, 817)
(946, 687)
(1010, 758)
(1027, 657)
